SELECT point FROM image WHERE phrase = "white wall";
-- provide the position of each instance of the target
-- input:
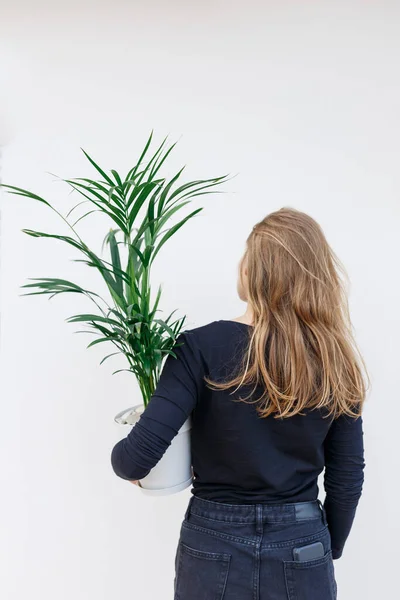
(301, 99)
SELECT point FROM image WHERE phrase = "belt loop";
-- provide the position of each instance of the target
(324, 519)
(259, 518)
(187, 512)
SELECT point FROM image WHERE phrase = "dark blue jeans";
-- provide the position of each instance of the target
(245, 552)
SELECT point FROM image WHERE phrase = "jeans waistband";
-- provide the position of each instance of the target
(291, 512)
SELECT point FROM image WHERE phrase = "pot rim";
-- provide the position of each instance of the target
(138, 410)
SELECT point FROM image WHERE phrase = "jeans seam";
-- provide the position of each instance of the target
(249, 542)
(307, 538)
(223, 556)
(234, 522)
(256, 570)
(253, 521)
(221, 535)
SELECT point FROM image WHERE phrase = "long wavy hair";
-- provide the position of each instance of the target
(301, 352)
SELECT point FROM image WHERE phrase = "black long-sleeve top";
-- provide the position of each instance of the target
(238, 457)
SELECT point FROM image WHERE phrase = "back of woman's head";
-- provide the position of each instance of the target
(301, 352)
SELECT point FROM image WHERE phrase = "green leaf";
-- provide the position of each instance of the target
(150, 214)
(201, 184)
(116, 333)
(21, 192)
(116, 262)
(137, 199)
(157, 166)
(156, 303)
(78, 187)
(76, 206)
(132, 172)
(102, 173)
(165, 326)
(108, 356)
(99, 341)
(102, 204)
(84, 216)
(169, 213)
(108, 278)
(117, 177)
(172, 231)
(120, 371)
(148, 168)
(111, 270)
(136, 251)
(166, 191)
(99, 318)
(103, 188)
(62, 238)
(51, 281)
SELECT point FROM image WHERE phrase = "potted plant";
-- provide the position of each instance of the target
(141, 206)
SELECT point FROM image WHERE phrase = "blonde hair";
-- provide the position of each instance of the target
(301, 352)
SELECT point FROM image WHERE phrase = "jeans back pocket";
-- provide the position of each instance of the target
(311, 579)
(200, 575)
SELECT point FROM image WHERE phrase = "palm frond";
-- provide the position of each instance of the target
(141, 209)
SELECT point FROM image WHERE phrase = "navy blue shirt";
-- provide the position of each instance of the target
(238, 457)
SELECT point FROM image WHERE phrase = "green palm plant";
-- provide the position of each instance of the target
(141, 207)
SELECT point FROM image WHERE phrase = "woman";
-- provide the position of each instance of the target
(276, 396)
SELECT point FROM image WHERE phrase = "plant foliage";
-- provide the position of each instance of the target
(141, 206)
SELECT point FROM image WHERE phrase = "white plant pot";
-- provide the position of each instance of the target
(173, 472)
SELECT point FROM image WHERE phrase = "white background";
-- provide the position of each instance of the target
(301, 101)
